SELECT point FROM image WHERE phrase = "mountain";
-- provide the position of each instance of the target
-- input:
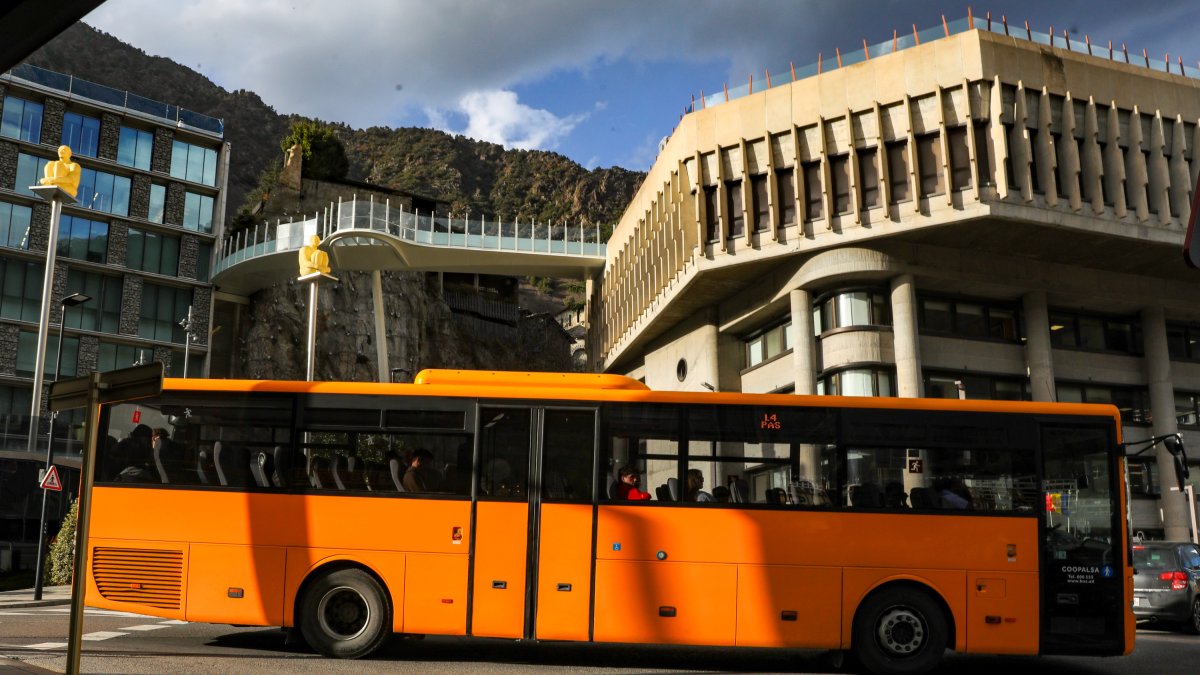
(481, 176)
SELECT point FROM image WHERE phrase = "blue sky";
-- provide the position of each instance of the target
(600, 81)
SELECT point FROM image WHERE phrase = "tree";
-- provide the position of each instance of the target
(323, 152)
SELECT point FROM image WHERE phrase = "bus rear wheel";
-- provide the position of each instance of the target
(345, 614)
(899, 631)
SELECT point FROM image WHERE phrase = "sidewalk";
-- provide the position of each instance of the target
(51, 595)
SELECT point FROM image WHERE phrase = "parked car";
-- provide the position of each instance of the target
(1166, 583)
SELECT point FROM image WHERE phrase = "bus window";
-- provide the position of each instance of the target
(645, 437)
(416, 462)
(941, 478)
(504, 452)
(568, 442)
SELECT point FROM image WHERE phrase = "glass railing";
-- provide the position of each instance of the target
(480, 233)
(100, 93)
(900, 42)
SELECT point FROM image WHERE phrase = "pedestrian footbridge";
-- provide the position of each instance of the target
(367, 235)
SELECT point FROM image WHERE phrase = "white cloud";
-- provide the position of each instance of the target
(499, 117)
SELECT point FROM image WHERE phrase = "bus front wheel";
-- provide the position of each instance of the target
(345, 614)
(899, 631)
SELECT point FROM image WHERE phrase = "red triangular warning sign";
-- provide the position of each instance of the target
(50, 481)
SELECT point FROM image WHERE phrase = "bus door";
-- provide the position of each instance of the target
(1082, 551)
(533, 523)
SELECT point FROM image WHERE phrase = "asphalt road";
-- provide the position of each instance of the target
(118, 642)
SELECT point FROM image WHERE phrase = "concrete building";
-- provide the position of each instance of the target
(139, 241)
(972, 213)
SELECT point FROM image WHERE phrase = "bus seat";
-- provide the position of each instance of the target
(354, 475)
(673, 488)
(376, 477)
(663, 493)
(739, 492)
(262, 466)
(282, 476)
(396, 469)
(866, 495)
(233, 465)
(612, 490)
(204, 464)
(339, 468)
(321, 476)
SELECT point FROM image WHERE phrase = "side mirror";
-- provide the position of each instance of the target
(1174, 445)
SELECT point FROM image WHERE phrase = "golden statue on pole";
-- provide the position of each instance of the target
(312, 259)
(64, 173)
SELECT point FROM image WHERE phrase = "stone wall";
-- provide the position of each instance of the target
(160, 154)
(110, 136)
(173, 210)
(9, 340)
(139, 196)
(8, 163)
(131, 305)
(188, 252)
(39, 227)
(118, 243)
(52, 120)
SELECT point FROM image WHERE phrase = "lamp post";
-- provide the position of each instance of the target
(188, 336)
(69, 301)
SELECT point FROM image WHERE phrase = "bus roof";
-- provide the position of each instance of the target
(614, 388)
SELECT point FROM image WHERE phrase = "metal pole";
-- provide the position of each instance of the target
(312, 330)
(187, 339)
(86, 478)
(41, 549)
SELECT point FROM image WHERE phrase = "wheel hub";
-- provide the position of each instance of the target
(343, 613)
(900, 631)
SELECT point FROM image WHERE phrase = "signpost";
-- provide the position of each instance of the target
(90, 392)
(50, 480)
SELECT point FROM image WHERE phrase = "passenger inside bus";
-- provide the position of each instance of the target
(695, 481)
(627, 485)
(421, 476)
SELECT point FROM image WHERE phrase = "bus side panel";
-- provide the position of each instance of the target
(949, 584)
(498, 607)
(387, 565)
(781, 606)
(235, 584)
(137, 576)
(664, 602)
(565, 558)
(1002, 613)
(435, 597)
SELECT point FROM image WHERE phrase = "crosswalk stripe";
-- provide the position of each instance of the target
(48, 645)
(145, 626)
(173, 622)
(102, 635)
(18, 614)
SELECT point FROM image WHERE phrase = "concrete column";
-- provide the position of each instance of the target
(909, 383)
(1039, 359)
(1162, 408)
(804, 361)
(381, 351)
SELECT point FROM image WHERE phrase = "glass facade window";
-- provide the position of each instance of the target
(1183, 341)
(204, 254)
(134, 148)
(1081, 331)
(114, 356)
(736, 216)
(197, 212)
(158, 203)
(81, 133)
(712, 226)
(103, 312)
(153, 252)
(1187, 409)
(976, 386)
(1133, 402)
(898, 181)
(14, 414)
(785, 181)
(969, 319)
(762, 203)
(857, 382)
(768, 344)
(839, 178)
(27, 355)
(193, 163)
(868, 178)
(982, 159)
(30, 169)
(83, 239)
(854, 308)
(102, 191)
(960, 158)
(195, 364)
(814, 201)
(14, 225)
(22, 120)
(929, 162)
(20, 290)
(163, 307)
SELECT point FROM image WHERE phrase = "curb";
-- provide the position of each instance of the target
(26, 604)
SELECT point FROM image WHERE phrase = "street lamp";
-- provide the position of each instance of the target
(69, 301)
(188, 324)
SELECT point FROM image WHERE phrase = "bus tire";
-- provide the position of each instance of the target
(899, 631)
(345, 614)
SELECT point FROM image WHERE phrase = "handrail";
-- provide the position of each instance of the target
(412, 226)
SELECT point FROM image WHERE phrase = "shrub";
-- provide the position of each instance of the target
(62, 552)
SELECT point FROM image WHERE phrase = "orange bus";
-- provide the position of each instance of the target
(500, 505)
